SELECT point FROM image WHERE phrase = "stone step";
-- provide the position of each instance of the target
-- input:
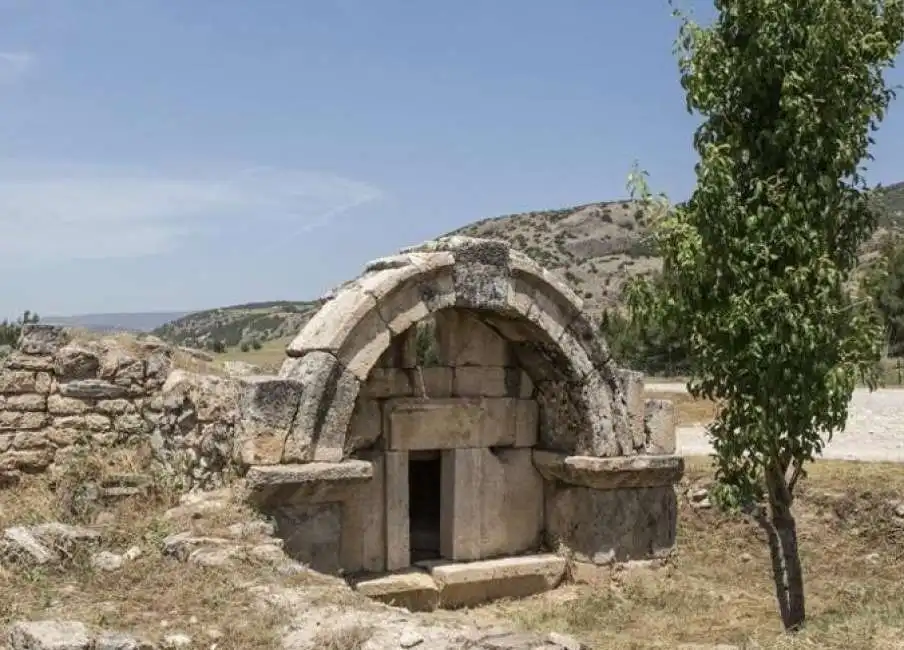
(439, 583)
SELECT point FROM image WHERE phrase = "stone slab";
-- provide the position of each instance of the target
(609, 473)
(398, 534)
(309, 482)
(660, 420)
(413, 589)
(603, 527)
(456, 423)
(472, 583)
(364, 523)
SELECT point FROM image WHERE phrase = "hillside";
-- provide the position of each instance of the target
(131, 322)
(251, 324)
(595, 247)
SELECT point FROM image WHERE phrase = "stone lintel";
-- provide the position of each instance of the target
(306, 482)
(609, 473)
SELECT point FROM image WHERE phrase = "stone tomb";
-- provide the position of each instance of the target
(449, 427)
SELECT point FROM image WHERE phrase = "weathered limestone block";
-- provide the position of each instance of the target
(366, 425)
(121, 367)
(387, 382)
(463, 340)
(473, 583)
(20, 361)
(28, 461)
(92, 389)
(268, 406)
(630, 383)
(481, 381)
(605, 526)
(131, 425)
(116, 406)
(308, 482)
(311, 534)
(16, 382)
(41, 339)
(20, 420)
(398, 526)
(433, 381)
(49, 635)
(349, 327)
(421, 424)
(481, 272)
(76, 361)
(59, 405)
(364, 523)
(328, 400)
(25, 402)
(609, 473)
(659, 426)
(30, 440)
(510, 494)
(66, 437)
(215, 399)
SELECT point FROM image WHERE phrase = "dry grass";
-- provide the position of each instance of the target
(269, 358)
(150, 596)
(718, 588)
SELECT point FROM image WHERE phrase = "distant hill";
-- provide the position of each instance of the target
(231, 326)
(595, 247)
(130, 322)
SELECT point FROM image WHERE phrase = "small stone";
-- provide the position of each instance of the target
(899, 510)
(699, 495)
(410, 639)
(746, 557)
(174, 641)
(133, 553)
(49, 635)
(18, 543)
(119, 641)
(107, 561)
(564, 641)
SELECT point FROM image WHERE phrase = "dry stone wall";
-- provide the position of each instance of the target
(61, 396)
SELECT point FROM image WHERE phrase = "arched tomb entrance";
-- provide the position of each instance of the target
(455, 410)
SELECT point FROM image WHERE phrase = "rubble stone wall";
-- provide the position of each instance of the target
(61, 395)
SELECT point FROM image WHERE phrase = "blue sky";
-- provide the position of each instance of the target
(173, 154)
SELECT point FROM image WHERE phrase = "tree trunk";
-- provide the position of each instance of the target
(781, 530)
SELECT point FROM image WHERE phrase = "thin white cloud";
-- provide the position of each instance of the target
(14, 65)
(64, 213)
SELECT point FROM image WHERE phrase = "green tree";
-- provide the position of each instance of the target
(885, 284)
(9, 332)
(756, 261)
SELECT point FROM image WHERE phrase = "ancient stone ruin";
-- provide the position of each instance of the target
(517, 453)
(449, 428)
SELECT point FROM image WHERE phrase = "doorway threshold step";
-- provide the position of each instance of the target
(440, 583)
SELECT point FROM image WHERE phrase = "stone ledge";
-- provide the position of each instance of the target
(308, 482)
(609, 473)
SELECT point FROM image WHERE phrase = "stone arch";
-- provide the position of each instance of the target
(556, 343)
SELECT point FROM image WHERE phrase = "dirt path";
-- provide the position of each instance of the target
(874, 432)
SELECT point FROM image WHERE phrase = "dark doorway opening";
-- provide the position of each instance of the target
(424, 497)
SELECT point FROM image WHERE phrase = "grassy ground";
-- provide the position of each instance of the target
(718, 588)
(152, 595)
(268, 358)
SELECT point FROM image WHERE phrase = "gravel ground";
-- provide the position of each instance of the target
(874, 432)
